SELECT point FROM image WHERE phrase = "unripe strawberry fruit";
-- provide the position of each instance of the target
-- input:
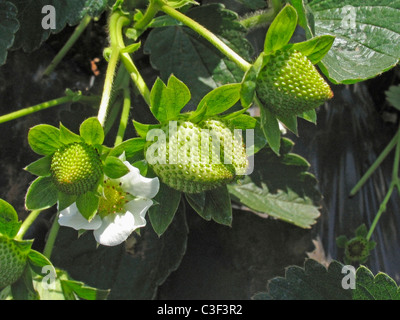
(198, 157)
(12, 261)
(76, 168)
(289, 84)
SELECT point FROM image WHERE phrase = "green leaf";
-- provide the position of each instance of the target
(67, 136)
(280, 187)
(167, 101)
(281, 29)
(88, 204)
(193, 59)
(40, 167)
(393, 96)
(9, 224)
(31, 34)
(315, 48)
(213, 204)
(142, 129)
(180, 3)
(162, 213)
(133, 270)
(380, 287)
(367, 35)
(313, 282)
(92, 131)
(44, 139)
(114, 167)
(270, 126)
(133, 149)
(9, 25)
(42, 194)
(218, 100)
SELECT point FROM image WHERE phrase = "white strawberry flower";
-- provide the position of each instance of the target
(122, 208)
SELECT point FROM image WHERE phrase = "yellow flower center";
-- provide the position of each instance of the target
(113, 199)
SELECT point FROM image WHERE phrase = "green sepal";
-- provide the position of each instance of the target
(37, 259)
(243, 121)
(341, 241)
(217, 101)
(281, 29)
(9, 224)
(143, 167)
(248, 89)
(133, 149)
(41, 194)
(270, 126)
(361, 231)
(40, 167)
(212, 204)
(88, 204)
(67, 136)
(24, 246)
(114, 167)
(162, 213)
(142, 129)
(83, 291)
(290, 122)
(65, 200)
(44, 139)
(92, 131)
(167, 101)
(310, 116)
(315, 48)
(23, 288)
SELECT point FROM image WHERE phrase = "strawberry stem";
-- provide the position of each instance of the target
(44, 105)
(71, 41)
(207, 34)
(26, 224)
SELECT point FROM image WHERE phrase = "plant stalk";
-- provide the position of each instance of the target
(67, 46)
(26, 224)
(208, 35)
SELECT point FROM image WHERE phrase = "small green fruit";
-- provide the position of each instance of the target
(76, 168)
(289, 84)
(12, 261)
(357, 249)
(198, 157)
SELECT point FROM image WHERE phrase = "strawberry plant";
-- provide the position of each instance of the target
(146, 121)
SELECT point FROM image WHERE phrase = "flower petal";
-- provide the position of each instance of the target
(137, 185)
(116, 228)
(138, 208)
(71, 217)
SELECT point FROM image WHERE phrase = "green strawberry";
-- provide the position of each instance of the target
(357, 249)
(199, 157)
(13, 258)
(76, 168)
(289, 84)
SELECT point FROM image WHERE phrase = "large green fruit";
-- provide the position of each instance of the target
(13, 260)
(198, 157)
(289, 84)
